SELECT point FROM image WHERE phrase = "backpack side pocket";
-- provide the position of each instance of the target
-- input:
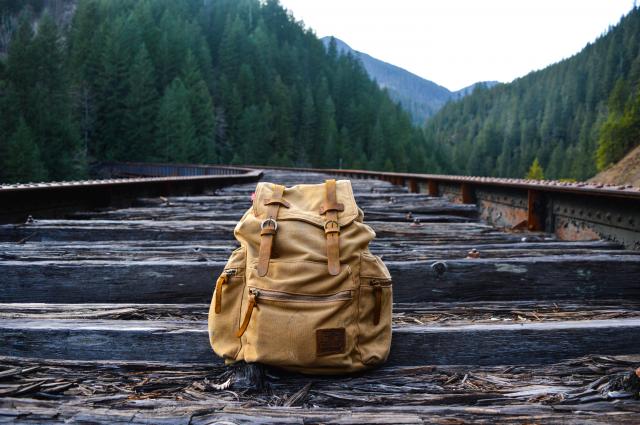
(375, 302)
(224, 313)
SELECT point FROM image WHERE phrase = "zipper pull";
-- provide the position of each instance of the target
(377, 307)
(224, 278)
(253, 302)
(221, 281)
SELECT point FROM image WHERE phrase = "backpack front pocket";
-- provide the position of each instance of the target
(224, 313)
(299, 330)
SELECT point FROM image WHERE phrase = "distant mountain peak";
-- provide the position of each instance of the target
(458, 94)
(422, 98)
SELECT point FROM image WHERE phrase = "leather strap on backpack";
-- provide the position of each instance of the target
(269, 227)
(332, 227)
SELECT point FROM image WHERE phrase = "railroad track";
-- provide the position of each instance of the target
(103, 319)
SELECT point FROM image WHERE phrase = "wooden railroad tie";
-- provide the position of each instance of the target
(103, 316)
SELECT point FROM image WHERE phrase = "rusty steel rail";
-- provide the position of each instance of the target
(412, 179)
(150, 169)
(53, 199)
(573, 211)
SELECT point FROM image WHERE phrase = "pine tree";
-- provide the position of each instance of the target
(21, 66)
(112, 90)
(202, 112)
(535, 171)
(247, 85)
(283, 127)
(4, 125)
(142, 104)
(231, 47)
(84, 64)
(175, 136)
(304, 145)
(204, 121)
(84, 51)
(254, 129)
(231, 109)
(143, 16)
(23, 162)
(51, 120)
(172, 44)
(377, 148)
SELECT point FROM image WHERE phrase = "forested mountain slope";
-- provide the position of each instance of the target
(224, 81)
(420, 97)
(575, 116)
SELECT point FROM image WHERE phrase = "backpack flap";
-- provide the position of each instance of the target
(306, 202)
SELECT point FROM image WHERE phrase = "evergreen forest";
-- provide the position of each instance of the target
(213, 81)
(575, 117)
(241, 82)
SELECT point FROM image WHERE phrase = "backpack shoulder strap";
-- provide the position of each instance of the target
(332, 227)
(269, 227)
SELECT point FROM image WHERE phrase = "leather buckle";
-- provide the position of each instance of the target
(331, 222)
(269, 220)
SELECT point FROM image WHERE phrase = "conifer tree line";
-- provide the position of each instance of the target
(202, 81)
(572, 119)
(240, 82)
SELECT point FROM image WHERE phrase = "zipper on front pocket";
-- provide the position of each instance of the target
(253, 302)
(283, 296)
(224, 278)
(266, 295)
(377, 293)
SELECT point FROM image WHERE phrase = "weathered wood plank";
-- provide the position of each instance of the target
(114, 230)
(148, 392)
(129, 251)
(179, 341)
(549, 278)
(536, 278)
(204, 214)
(219, 250)
(144, 282)
(20, 411)
(202, 230)
(404, 314)
(203, 207)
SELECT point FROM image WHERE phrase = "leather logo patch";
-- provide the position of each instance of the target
(330, 341)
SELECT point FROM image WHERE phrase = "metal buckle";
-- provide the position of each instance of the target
(269, 220)
(327, 223)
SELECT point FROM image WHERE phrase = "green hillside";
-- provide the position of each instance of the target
(215, 81)
(576, 116)
(241, 82)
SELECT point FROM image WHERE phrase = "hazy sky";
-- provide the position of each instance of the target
(458, 42)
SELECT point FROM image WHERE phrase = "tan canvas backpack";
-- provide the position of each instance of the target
(303, 292)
